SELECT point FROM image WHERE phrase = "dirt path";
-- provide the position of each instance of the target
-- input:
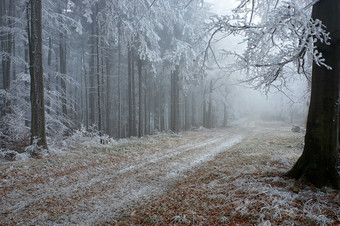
(91, 185)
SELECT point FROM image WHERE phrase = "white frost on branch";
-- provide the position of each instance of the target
(278, 35)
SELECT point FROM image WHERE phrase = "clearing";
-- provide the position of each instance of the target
(218, 176)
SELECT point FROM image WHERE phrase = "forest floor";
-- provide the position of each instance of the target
(227, 176)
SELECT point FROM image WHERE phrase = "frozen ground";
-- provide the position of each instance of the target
(90, 183)
(87, 183)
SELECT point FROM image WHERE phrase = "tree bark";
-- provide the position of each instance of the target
(92, 74)
(175, 120)
(134, 113)
(108, 92)
(38, 130)
(225, 115)
(62, 59)
(99, 90)
(318, 162)
(119, 124)
(130, 91)
(48, 84)
(140, 90)
(6, 47)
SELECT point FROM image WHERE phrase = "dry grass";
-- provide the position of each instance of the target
(244, 186)
(191, 179)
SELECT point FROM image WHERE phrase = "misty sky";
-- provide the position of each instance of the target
(222, 6)
(248, 99)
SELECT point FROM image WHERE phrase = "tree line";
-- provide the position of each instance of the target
(123, 68)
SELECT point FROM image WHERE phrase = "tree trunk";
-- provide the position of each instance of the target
(48, 84)
(209, 117)
(6, 47)
(175, 120)
(92, 73)
(134, 114)
(318, 162)
(130, 91)
(99, 100)
(187, 115)
(146, 107)
(162, 111)
(62, 58)
(225, 115)
(119, 124)
(193, 110)
(108, 93)
(38, 130)
(140, 92)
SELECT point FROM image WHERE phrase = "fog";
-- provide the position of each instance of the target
(134, 68)
(289, 104)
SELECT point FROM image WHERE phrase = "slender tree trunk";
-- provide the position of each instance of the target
(108, 93)
(225, 115)
(133, 84)
(99, 100)
(62, 58)
(6, 47)
(84, 73)
(162, 111)
(319, 160)
(193, 110)
(119, 124)
(92, 74)
(187, 115)
(140, 92)
(38, 130)
(130, 92)
(175, 120)
(210, 117)
(146, 107)
(205, 124)
(48, 84)
(157, 109)
(12, 39)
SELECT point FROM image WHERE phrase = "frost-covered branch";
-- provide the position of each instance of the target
(277, 35)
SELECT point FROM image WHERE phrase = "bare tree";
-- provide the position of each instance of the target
(36, 71)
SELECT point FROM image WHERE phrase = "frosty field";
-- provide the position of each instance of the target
(201, 177)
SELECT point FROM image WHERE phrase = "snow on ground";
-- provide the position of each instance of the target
(109, 183)
(244, 186)
(88, 183)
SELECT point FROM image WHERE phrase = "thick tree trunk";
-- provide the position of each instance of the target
(38, 130)
(318, 162)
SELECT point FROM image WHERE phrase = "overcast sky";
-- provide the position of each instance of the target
(247, 97)
(222, 7)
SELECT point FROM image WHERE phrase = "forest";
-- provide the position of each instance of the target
(124, 68)
(182, 112)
